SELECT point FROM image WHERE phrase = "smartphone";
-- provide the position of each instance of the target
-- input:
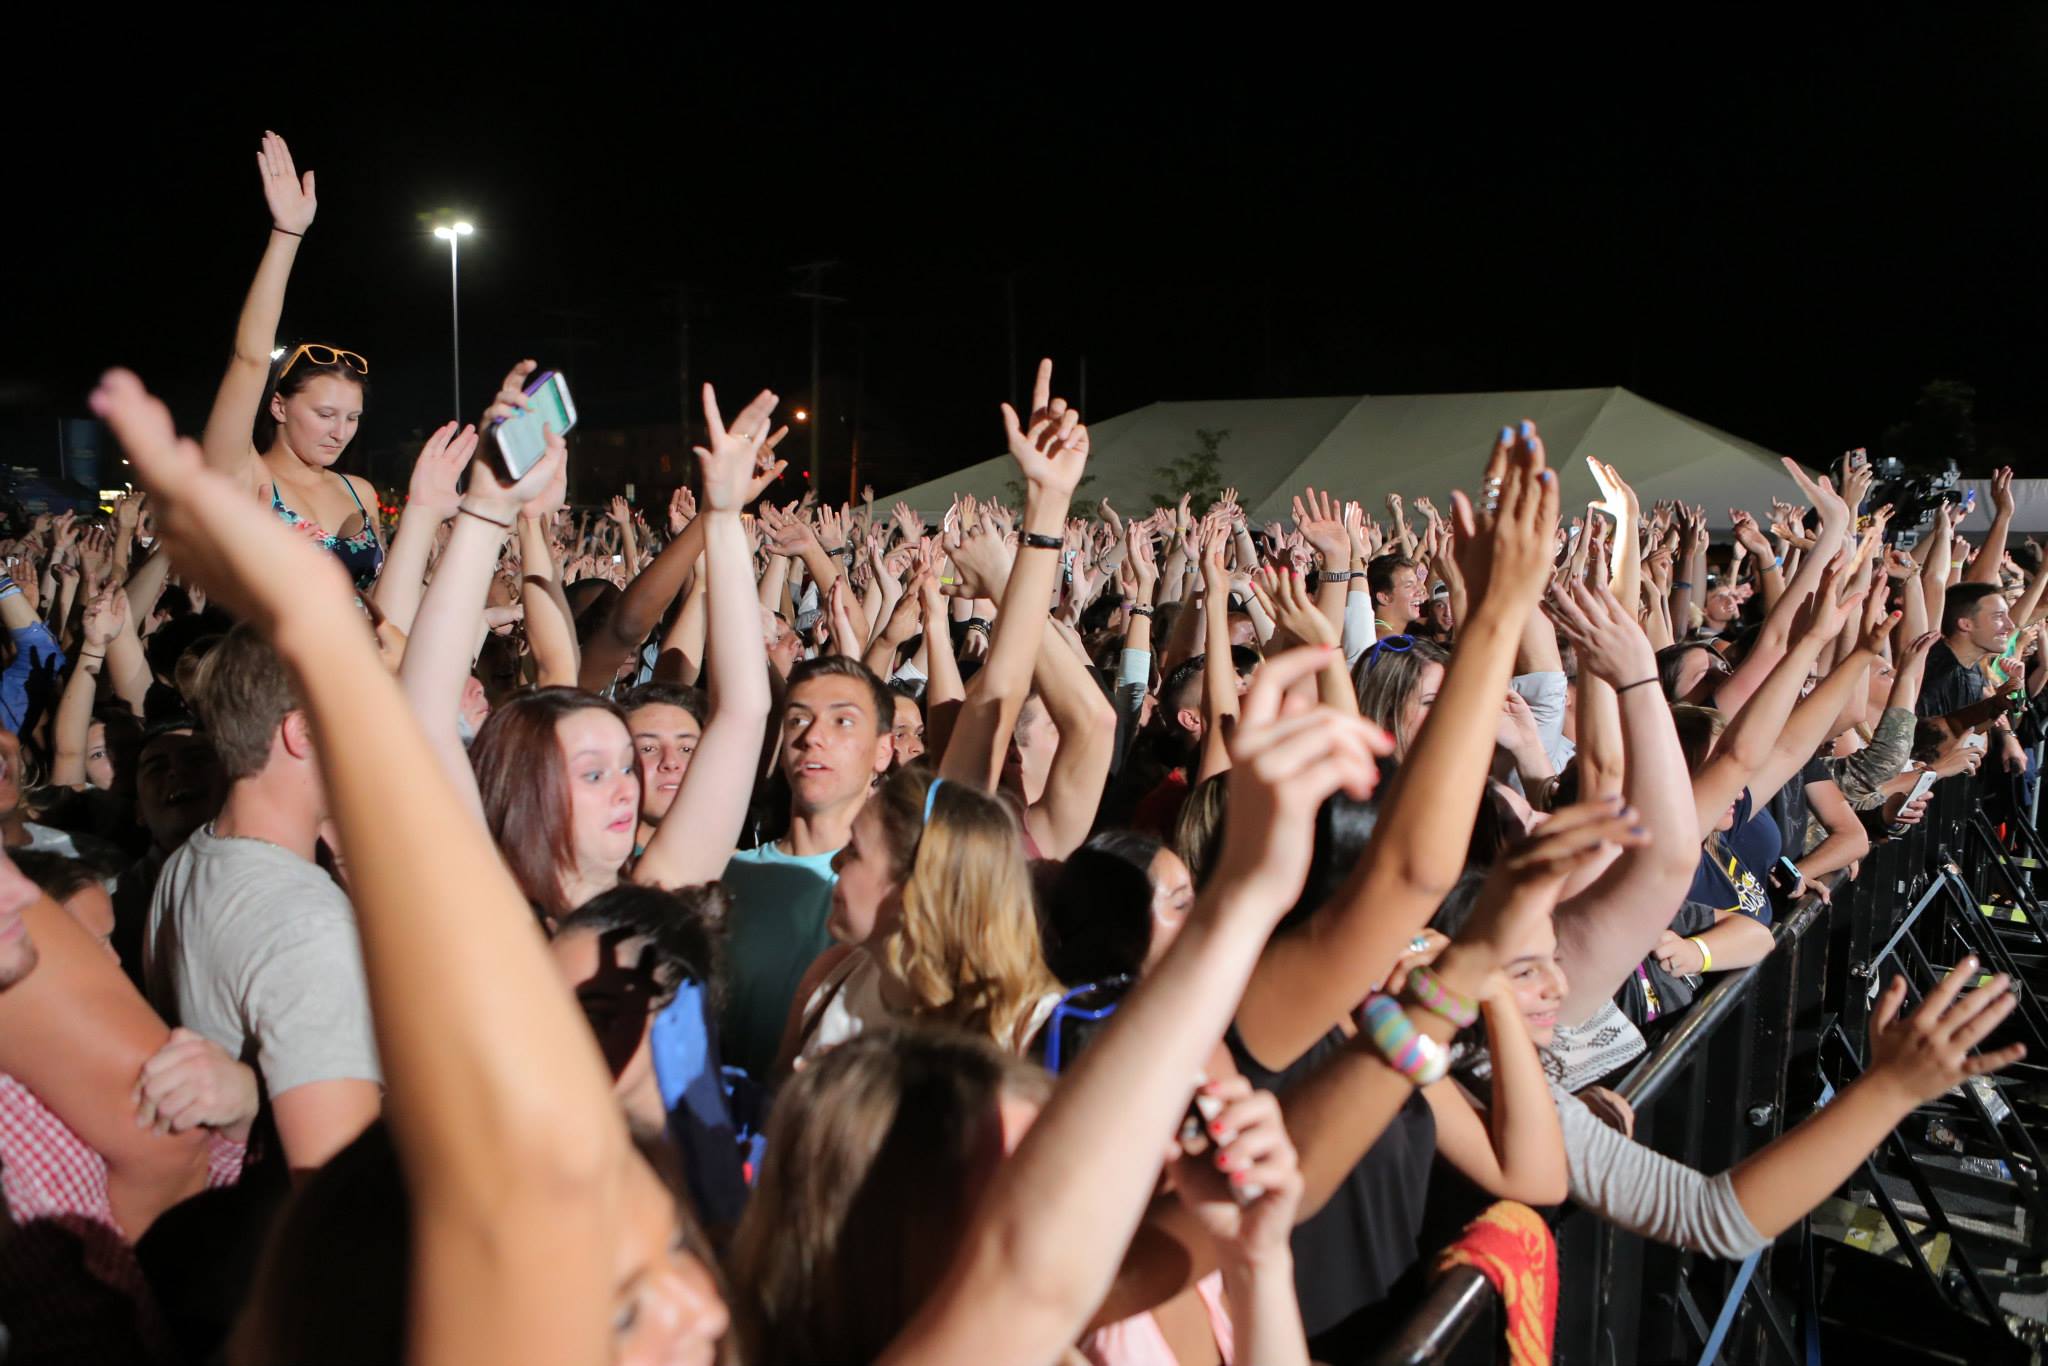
(1790, 870)
(1969, 503)
(522, 438)
(1922, 785)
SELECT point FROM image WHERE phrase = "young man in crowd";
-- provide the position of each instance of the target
(836, 721)
(250, 943)
(666, 722)
(1955, 696)
(1398, 594)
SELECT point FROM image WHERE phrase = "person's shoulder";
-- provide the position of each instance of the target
(231, 868)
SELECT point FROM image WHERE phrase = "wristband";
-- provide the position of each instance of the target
(466, 511)
(1682, 583)
(1639, 683)
(9, 588)
(1706, 954)
(977, 624)
(87, 654)
(287, 231)
(1406, 1049)
(1337, 575)
(1427, 990)
(1038, 540)
(1138, 611)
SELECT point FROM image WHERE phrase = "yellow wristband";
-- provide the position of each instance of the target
(1706, 954)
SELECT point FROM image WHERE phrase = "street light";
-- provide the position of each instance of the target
(452, 234)
(801, 415)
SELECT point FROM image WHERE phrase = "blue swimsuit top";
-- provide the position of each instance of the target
(360, 554)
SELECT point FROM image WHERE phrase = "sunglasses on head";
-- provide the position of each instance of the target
(323, 355)
(1074, 1006)
(1397, 644)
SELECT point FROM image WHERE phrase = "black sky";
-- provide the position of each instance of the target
(1782, 231)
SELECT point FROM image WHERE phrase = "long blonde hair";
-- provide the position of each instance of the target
(967, 947)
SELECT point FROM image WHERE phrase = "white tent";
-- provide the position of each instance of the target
(1368, 447)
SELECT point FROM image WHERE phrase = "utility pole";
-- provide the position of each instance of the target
(813, 290)
(683, 345)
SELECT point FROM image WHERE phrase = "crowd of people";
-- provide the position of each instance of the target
(773, 932)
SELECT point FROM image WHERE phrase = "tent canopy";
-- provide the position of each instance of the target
(1426, 444)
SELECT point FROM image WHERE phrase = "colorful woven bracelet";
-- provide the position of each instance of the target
(1427, 990)
(1407, 1050)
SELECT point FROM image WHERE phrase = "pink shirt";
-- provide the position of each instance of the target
(1137, 1341)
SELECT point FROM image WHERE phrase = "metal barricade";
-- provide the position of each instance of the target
(1742, 1065)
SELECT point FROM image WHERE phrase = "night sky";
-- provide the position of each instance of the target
(1782, 232)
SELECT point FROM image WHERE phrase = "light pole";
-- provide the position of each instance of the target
(453, 234)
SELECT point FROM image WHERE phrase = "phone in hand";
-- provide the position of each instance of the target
(523, 438)
(1922, 785)
(1787, 874)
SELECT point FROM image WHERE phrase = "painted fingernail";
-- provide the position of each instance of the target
(1528, 429)
(1549, 476)
(1639, 830)
(1507, 436)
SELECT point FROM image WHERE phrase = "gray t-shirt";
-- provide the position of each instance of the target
(255, 948)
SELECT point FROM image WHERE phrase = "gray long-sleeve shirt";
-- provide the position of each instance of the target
(1639, 1189)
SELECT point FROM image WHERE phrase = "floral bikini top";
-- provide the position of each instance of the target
(360, 554)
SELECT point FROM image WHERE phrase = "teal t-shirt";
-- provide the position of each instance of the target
(775, 930)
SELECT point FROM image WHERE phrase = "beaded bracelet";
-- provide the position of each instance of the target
(1427, 990)
(1406, 1049)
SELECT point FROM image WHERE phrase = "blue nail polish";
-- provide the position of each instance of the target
(1528, 429)
(1507, 436)
(1549, 476)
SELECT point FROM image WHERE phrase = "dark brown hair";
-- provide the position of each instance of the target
(525, 789)
(875, 1153)
(242, 693)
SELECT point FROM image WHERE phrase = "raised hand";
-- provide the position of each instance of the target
(1284, 761)
(730, 463)
(1052, 449)
(290, 196)
(1749, 536)
(767, 469)
(1834, 512)
(1321, 521)
(1527, 880)
(104, 617)
(1285, 597)
(438, 470)
(981, 562)
(682, 510)
(2001, 492)
(1505, 554)
(912, 525)
(831, 529)
(1923, 1056)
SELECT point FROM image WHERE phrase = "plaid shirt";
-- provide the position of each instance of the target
(70, 1287)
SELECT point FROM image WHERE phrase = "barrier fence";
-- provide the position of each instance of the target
(1758, 1052)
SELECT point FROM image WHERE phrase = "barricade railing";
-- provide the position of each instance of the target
(1745, 1062)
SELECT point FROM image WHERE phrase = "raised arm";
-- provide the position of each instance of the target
(1836, 518)
(695, 842)
(443, 643)
(1048, 1235)
(1065, 811)
(1914, 1061)
(1051, 451)
(430, 500)
(104, 616)
(1309, 977)
(501, 1109)
(550, 629)
(292, 203)
(1219, 677)
(641, 606)
(1606, 929)
(1991, 555)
